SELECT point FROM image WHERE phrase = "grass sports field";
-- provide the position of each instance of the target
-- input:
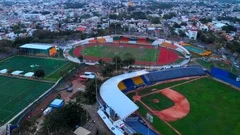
(31, 64)
(214, 109)
(146, 54)
(16, 94)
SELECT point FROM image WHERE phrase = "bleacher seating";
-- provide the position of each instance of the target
(92, 41)
(169, 45)
(174, 73)
(132, 41)
(138, 80)
(150, 41)
(108, 39)
(116, 39)
(158, 42)
(141, 41)
(129, 83)
(124, 40)
(101, 40)
(122, 86)
(146, 80)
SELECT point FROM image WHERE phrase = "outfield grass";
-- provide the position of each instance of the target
(146, 54)
(164, 102)
(158, 124)
(31, 64)
(214, 109)
(16, 94)
(159, 87)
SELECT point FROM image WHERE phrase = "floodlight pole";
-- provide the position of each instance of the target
(156, 47)
(96, 89)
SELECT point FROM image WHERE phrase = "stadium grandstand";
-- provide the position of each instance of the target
(126, 40)
(38, 49)
(117, 107)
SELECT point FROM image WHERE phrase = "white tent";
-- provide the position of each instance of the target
(17, 72)
(81, 131)
(3, 71)
(29, 74)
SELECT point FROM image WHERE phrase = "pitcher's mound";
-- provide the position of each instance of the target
(155, 100)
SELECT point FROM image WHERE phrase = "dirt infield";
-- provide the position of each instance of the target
(166, 56)
(178, 111)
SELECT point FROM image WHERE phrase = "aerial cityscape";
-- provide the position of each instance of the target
(119, 67)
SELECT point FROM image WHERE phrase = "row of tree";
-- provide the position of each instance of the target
(117, 64)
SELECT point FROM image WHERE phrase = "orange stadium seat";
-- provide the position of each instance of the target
(142, 41)
(92, 41)
(124, 40)
(122, 86)
(169, 45)
(101, 40)
(137, 80)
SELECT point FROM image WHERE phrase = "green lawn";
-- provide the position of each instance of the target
(159, 87)
(158, 124)
(205, 64)
(214, 109)
(145, 54)
(218, 64)
(163, 103)
(61, 71)
(31, 64)
(16, 94)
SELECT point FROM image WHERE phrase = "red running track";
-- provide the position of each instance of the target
(166, 56)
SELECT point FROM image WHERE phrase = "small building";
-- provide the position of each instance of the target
(39, 49)
(57, 103)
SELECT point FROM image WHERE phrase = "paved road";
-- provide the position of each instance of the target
(98, 124)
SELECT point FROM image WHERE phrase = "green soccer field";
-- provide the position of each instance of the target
(144, 54)
(214, 109)
(16, 94)
(31, 64)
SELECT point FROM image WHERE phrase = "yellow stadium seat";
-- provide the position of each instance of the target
(137, 80)
(122, 86)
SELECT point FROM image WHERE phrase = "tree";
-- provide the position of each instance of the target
(169, 16)
(183, 24)
(229, 28)
(155, 20)
(176, 25)
(39, 73)
(64, 119)
(205, 20)
(117, 59)
(89, 95)
(108, 69)
(128, 59)
(181, 33)
(113, 16)
(80, 58)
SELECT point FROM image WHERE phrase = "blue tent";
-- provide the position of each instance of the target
(57, 103)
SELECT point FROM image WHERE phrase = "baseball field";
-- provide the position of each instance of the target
(201, 106)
